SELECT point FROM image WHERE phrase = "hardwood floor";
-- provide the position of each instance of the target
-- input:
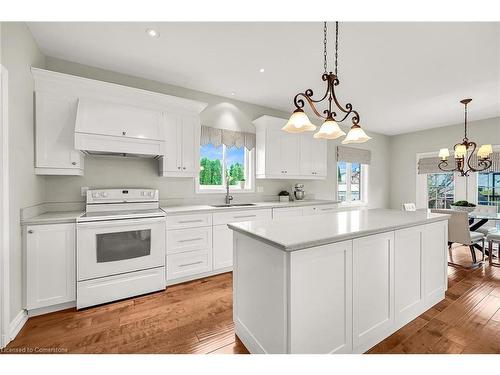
(196, 317)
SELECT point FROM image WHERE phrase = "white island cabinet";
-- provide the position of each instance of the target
(335, 283)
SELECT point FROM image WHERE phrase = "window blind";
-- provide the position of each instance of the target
(495, 165)
(226, 137)
(430, 165)
(353, 155)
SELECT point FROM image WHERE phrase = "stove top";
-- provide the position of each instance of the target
(120, 215)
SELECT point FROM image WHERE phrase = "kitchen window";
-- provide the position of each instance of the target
(217, 163)
(351, 182)
(440, 190)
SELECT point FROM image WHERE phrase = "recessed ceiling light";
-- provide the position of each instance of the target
(261, 70)
(153, 33)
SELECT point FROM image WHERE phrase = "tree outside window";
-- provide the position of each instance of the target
(216, 161)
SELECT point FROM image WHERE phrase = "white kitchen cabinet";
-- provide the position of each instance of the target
(182, 146)
(222, 247)
(435, 241)
(409, 277)
(279, 213)
(55, 152)
(287, 156)
(313, 156)
(50, 264)
(373, 289)
(321, 278)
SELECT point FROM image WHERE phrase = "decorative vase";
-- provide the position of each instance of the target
(284, 198)
(242, 184)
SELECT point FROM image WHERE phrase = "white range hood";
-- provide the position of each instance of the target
(107, 128)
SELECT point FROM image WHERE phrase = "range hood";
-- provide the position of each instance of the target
(106, 128)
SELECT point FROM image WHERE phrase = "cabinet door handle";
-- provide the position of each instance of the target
(73, 162)
(190, 239)
(30, 231)
(243, 216)
(190, 264)
(190, 221)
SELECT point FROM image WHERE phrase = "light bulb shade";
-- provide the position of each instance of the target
(460, 151)
(484, 151)
(356, 135)
(329, 130)
(298, 123)
(444, 153)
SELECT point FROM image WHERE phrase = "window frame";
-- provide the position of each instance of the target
(363, 185)
(472, 182)
(249, 166)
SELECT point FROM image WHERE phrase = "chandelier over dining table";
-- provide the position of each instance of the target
(299, 122)
(463, 153)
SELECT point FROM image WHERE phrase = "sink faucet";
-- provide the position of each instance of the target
(229, 198)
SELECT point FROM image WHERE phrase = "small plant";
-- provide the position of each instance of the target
(463, 204)
(284, 193)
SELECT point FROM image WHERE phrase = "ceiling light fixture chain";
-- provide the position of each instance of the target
(325, 31)
(336, 46)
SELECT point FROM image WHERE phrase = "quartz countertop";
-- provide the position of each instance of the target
(53, 218)
(172, 210)
(298, 233)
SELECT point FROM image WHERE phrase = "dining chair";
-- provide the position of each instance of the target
(409, 207)
(493, 238)
(490, 226)
(458, 232)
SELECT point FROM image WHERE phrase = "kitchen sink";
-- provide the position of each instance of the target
(234, 205)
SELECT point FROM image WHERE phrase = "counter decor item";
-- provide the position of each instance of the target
(298, 191)
(463, 206)
(242, 183)
(284, 196)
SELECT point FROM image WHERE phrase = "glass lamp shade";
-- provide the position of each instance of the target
(356, 135)
(444, 153)
(484, 151)
(298, 123)
(329, 130)
(460, 151)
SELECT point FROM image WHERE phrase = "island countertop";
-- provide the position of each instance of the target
(296, 233)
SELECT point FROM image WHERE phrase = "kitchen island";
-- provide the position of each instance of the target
(336, 283)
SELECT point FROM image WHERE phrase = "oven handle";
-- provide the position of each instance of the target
(120, 223)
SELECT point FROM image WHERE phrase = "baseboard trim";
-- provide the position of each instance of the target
(50, 309)
(251, 343)
(198, 276)
(17, 324)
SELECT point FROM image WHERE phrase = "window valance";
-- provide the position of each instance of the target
(353, 155)
(430, 165)
(226, 137)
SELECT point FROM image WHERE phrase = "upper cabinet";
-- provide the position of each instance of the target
(76, 116)
(182, 150)
(55, 153)
(284, 155)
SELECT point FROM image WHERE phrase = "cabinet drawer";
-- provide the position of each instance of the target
(182, 240)
(189, 221)
(285, 212)
(246, 215)
(188, 264)
(321, 209)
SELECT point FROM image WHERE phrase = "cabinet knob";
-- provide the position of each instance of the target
(178, 167)
(183, 167)
(73, 162)
(124, 133)
(30, 231)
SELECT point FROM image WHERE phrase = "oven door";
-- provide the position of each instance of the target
(106, 248)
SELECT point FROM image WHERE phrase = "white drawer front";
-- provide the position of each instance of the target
(285, 212)
(321, 209)
(189, 221)
(182, 240)
(187, 264)
(246, 215)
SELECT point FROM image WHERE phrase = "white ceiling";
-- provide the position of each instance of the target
(401, 77)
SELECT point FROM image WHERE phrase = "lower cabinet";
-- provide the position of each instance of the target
(50, 264)
(223, 247)
(285, 212)
(435, 239)
(188, 264)
(373, 288)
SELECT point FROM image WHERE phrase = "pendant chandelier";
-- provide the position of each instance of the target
(299, 122)
(462, 150)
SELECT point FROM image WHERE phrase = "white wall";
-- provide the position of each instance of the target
(221, 112)
(19, 53)
(404, 148)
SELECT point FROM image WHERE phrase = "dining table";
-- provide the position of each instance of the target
(477, 220)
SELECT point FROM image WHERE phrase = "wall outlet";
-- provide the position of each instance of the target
(260, 189)
(83, 191)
